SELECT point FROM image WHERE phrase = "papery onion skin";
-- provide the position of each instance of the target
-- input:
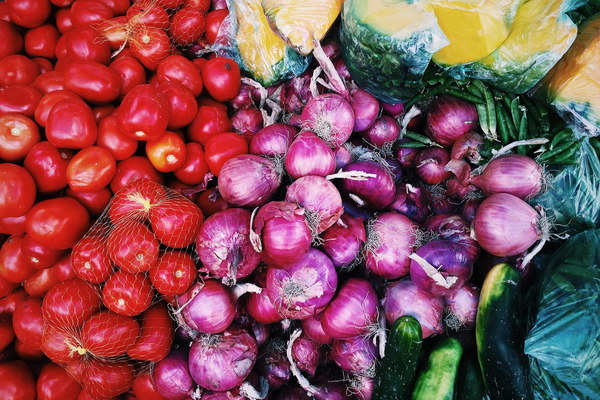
(313, 329)
(406, 155)
(320, 199)
(376, 192)
(461, 308)
(404, 298)
(429, 165)
(273, 140)
(343, 157)
(390, 240)
(383, 132)
(259, 305)
(366, 109)
(410, 200)
(247, 120)
(343, 241)
(448, 118)
(468, 209)
(309, 155)
(352, 312)
(330, 116)
(505, 225)
(211, 309)
(511, 173)
(307, 354)
(454, 228)
(296, 93)
(172, 376)
(273, 364)
(362, 386)
(393, 110)
(355, 355)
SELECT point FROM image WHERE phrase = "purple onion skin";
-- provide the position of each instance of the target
(247, 120)
(366, 109)
(223, 245)
(218, 4)
(274, 366)
(410, 201)
(293, 393)
(383, 132)
(376, 192)
(246, 98)
(344, 240)
(461, 308)
(390, 239)
(295, 121)
(511, 173)
(172, 377)
(352, 311)
(320, 198)
(356, 355)
(454, 228)
(429, 165)
(395, 169)
(313, 329)
(223, 361)
(330, 116)
(362, 387)
(406, 156)
(437, 201)
(296, 93)
(404, 298)
(261, 308)
(273, 140)
(468, 209)
(343, 157)
(261, 333)
(309, 155)
(305, 288)
(394, 110)
(342, 69)
(211, 310)
(450, 259)
(448, 118)
(307, 354)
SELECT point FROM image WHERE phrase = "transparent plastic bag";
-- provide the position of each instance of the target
(563, 344)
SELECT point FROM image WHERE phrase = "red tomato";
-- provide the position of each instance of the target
(39, 256)
(59, 343)
(209, 121)
(118, 7)
(13, 266)
(86, 44)
(213, 23)
(17, 69)
(41, 41)
(183, 106)
(221, 77)
(90, 259)
(131, 72)
(176, 222)
(174, 274)
(17, 190)
(127, 294)
(17, 381)
(40, 282)
(222, 147)
(57, 223)
(147, 13)
(194, 169)
(27, 352)
(86, 13)
(49, 81)
(94, 202)
(210, 202)
(143, 388)
(208, 101)
(143, 113)
(63, 268)
(187, 26)
(62, 16)
(71, 124)
(18, 134)
(49, 100)
(108, 378)
(150, 45)
(108, 334)
(70, 303)
(91, 169)
(200, 5)
(199, 64)
(156, 335)
(7, 334)
(115, 31)
(12, 41)
(94, 82)
(135, 200)
(132, 246)
(101, 112)
(28, 322)
(179, 69)
(28, 13)
(53, 383)
(13, 226)
(44, 64)
(19, 99)
(111, 138)
(166, 153)
(48, 166)
(10, 299)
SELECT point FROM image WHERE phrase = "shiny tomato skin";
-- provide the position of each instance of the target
(27, 352)
(58, 223)
(194, 168)
(58, 341)
(200, 5)
(134, 200)
(183, 106)
(70, 303)
(213, 23)
(13, 266)
(111, 138)
(71, 125)
(91, 169)
(103, 111)
(17, 190)
(143, 388)
(10, 298)
(118, 7)
(108, 378)
(19, 99)
(223, 147)
(18, 134)
(176, 222)
(7, 334)
(127, 294)
(13, 225)
(94, 202)
(210, 202)
(222, 78)
(187, 26)
(62, 18)
(172, 4)
(63, 268)
(49, 81)
(48, 166)
(29, 13)
(41, 41)
(133, 168)
(114, 31)
(28, 322)
(48, 101)
(86, 44)
(150, 45)
(17, 69)
(108, 334)
(156, 335)
(90, 259)
(44, 64)
(131, 73)
(39, 256)
(38, 284)
(86, 13)
(132, 246)
(166, 153)
(148, 13)
(12, 42)
(94, 82)
(210, 120)
(53, 382)
(17, 381)
(143, 113)
(174, 274)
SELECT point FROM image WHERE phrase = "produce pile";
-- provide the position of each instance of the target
(285, 199)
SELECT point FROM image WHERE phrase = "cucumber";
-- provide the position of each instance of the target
(469, 382)
(397, 369)
(499, 337)
(436, 380)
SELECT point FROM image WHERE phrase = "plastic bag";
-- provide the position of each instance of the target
(563, 345)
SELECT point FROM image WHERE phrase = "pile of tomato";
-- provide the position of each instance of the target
(95, 94)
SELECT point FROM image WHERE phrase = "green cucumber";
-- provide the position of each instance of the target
(499, 337)
(469, 382)
(436, 380)
(397, 369)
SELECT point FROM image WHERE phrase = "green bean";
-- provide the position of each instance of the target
(515, 112)
(483, 121)
(596, 146)
(463, 95)
(471, 88)
(539, 119)
(560, 136)
(522, 135)
(558, 149)
(413, 145)
(502, 126)
(510, 127)
(565, 154)
(419, 138)
(490, 106)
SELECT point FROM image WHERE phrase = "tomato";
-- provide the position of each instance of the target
(150, 45)
(176, 222)
(94, 202)
(62, 17)
(48, 166)
(94, 82)
(17, 69)
(115, 31)
(200, 5)
(111, 138)
(17, 190)
(90, 259)
(179, 69)
(147, 13)
(222, 79)
(18, 134)
(71, 124)
(44, 64)
(166, 153)
(108, 378)
(193, 171)
(209, 121)
(103, 111)
(187, 26)
(19, 99)
(182, 104)
(13, 266)
(199, 64)
(60, 344)
(156, 335)
(127, 294)
(86, 44)
(70, 303)
(132, 169)
(63, 268)
(13, 225)
(49, 100)
(223, 147)
(58, 223)
(53, 382)
(91, 169)
(213, 23)
(39, 256)
(7, 334)
(10, 298)
(28, 322)
(12, 41)
(134, 201)
(172, 4)
(38, 284)
(174, 274)
(118, 7)
(143, 113)
(210, 202)
(130, 71)
(41, 41)
(27, 352)
(132, 246)
(108, 334)
(28, 13)
(143, 388)
(86, 13)
(17, 381)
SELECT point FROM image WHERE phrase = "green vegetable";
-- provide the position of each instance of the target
(469, 382)
(437, 379)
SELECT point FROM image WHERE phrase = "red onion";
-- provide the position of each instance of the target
(309, 155)
(461, 308)
(248, 97)
(343, 157)
(383, 132)
(284, 231)
(222, 361)
(296, 93)
(313, 329)
(320, 198)
(210, 201)
(404, 298)
(406, 155)
(342, 69)
(440, 267)
(374, 192)
(468, 209)
(304, 288)
(390, 239)
(273, 364)
(362, 386)
(352, 312)
(448, 118)
(467, 146)
(330, 116)
(248, 180)
(395, 168)
(343, 241)
(394, 110)
(207, 306)
(307, 354)
(273, 140)
(438, 202)
(511, 173)
(219, 4)
(247, 120)
(223, 245)
(454, 228)
(366, 109)
(261, 333)
(172, 377)
(410, 201)
(356, 355)
(259, 305)
(430, 163)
